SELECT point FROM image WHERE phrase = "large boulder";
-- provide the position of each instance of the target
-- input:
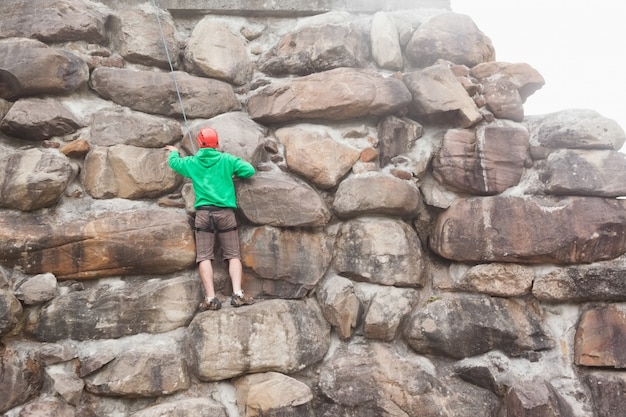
(116, 309)
(463, 326)
(600, 173)
(339, 94)
(312, 152)
(484, 161)
(64, 20)
(276, 199)
(376, 193)
(155, 92)
(450, 36)
(125, 127)
(214, 51)
(297, 257)
(317, 48)
(145, 35)
(33, 179)
(129, 172)
(573, 129)
(276, 335)
(100, 245)
(29, 68)
(378, 380)
(37, 119)
(379, 250)
(438, 96)
(143, 371)
(531, 230)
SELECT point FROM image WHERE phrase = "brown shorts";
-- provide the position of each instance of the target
(225, 222)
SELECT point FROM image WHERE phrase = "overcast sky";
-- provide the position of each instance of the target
(578, 46)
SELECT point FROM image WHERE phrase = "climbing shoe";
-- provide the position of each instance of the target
(241, 300)
(212, 304)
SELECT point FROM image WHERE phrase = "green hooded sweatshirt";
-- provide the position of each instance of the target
(211, 173)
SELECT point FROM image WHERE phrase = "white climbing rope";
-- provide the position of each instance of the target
(169, 60)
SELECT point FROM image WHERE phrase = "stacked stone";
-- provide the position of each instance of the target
(417, 244)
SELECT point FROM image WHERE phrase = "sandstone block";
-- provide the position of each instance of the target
(596, 173)
(123, 243)
(317, 48)
(599, 281)
(385, 42)
(484, 161)
(506, 87)
(214, 51)
(155, 92)
(601, 337)
(339, 94)
(21, 376)
(37, 119)
(33, 179)
(531, 230)
(141, 372)
(272, 393)
(377, 380)
(64, 20)
(125, 127)
(116, 310)
(387, 310)
(197, 407)
(277, 199)
(376, 193)
(575, 129)
(340, 305)
(314, 154)
(450, 36)
(464, 326)
(379, 250)
(31, 68)
(136, 35)
(276, 335)
(439, 97)
(298, 257)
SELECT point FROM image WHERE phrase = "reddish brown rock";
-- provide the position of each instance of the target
(485, 161)
(316, 49)
(601, 337)
(339, 94)
(21, 376)
(396, 135)
(38, 119)
(155, 92)
(126, 243)
(531, 230)
(376, 193)
(439, 97)
(600, 173)
(136, 34)
(507, 86)
(75, 149)
(536, 399)
(63, 20)
(29, 68)
(34, 178)
(450, 36)
(574, 129)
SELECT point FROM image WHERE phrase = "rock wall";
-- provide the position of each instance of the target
(416, 245)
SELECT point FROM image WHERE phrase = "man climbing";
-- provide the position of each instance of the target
(211, 173)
